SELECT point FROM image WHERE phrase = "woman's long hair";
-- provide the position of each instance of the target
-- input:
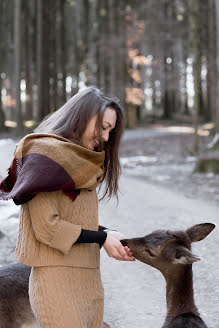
(70, 122)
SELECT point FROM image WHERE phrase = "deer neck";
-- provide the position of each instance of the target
(179, 291)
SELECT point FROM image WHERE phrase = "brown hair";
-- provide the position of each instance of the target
(70, 122)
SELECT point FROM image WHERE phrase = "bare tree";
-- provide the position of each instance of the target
(194, 23)
(217, 106)
(63, 49)
(2, 116)
(27, 59)
(40, 59)
(17, 69)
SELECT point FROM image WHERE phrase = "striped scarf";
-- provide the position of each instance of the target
(47, 162)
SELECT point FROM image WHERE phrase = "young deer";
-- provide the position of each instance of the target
(15, 309)
(170, 253)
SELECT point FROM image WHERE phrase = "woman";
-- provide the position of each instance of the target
(54, 176)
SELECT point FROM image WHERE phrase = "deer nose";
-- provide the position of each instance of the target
(124, 242)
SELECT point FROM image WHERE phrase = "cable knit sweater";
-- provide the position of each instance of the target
(44, 176)
(50, 223)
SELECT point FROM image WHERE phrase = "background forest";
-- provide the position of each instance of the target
(159, 57)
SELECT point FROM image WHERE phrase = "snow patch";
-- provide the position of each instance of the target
(137, 160)
(6, 142)
(190, 159)
(9, 214)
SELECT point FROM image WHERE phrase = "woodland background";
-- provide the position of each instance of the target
(159, 57)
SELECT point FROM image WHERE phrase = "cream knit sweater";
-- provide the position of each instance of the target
(50, 223)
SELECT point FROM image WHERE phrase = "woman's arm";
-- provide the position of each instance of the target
(90, 236)
(47, 225)
(51, 230)
(110, 241)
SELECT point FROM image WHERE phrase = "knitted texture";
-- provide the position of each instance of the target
(64, 297)
(47, 162)
(49, 225)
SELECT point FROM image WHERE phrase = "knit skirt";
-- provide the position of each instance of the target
(66, 297)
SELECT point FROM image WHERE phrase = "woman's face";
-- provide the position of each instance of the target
(90, 136)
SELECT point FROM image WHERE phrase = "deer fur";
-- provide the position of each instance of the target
(170, 253)
(15, 309)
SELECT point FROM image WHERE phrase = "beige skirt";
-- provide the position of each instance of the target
(66, 297)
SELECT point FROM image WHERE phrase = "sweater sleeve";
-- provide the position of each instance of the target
(47, 225)
(101, 228)
(91, 236)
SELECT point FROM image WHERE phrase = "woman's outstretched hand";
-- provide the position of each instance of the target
(115, 249)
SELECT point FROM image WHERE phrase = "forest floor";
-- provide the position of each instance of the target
(163, 155)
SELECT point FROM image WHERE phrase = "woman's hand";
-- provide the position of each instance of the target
(115, 249)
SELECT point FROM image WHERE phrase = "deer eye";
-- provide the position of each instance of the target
(172, 235)
(149, 252)
(175, 236)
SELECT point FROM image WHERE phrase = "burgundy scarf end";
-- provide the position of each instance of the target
(3, 185)
(72, 194)
(8, 183)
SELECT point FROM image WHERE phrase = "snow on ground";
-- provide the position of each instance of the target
(167, 160)
(9, 212)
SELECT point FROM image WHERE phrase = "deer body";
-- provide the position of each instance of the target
(15, 309)
(181, 308)
(170, 253)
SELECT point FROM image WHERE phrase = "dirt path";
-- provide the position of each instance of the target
(169, 163)
(135, 292)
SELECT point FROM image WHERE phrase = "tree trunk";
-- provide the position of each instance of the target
(167, 110)
(217, 100)
(194, 23)
(167, 101)
(63, 50)
(26, 14)
(76, 49)
(54, 36)
(102, 43)
(46, 56)
(122, 76)
(113, 46)
(211, 64)
(40, 59)
(17, 70)
(93, 35)
(2, 116)
(43, 45)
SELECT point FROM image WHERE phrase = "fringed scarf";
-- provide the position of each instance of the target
(47, 162)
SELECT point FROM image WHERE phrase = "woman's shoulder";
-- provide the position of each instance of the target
(42, 138)
(46, 197)
(37, 141)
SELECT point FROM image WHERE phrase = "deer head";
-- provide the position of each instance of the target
(164, 249)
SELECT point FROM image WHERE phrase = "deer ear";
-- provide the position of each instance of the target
(199, 231)
(184, 256)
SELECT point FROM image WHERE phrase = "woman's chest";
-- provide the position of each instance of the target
(83, 210)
